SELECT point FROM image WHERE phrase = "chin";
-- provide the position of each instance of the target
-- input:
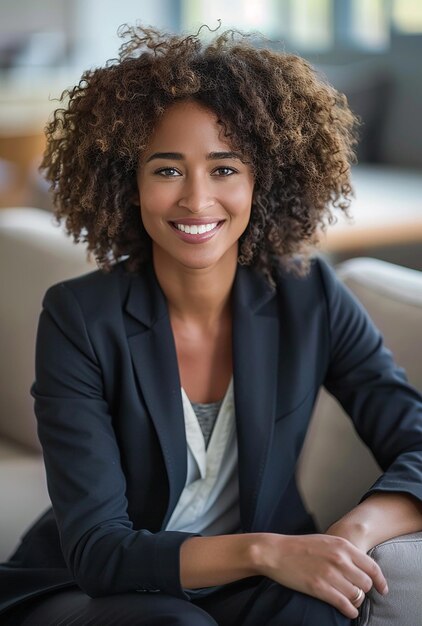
(195, 259)
(200, 264)
(204, 262)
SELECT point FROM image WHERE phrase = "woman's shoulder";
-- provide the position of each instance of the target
(313, 276)
(95, 292)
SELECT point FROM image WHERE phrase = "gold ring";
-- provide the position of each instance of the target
(358, 597)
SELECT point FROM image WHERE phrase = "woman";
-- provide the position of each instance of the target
(174, 386)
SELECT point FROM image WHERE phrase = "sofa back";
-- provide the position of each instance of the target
(34, 254)
(335, 467)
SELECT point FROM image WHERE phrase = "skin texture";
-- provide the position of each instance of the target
(217, 189)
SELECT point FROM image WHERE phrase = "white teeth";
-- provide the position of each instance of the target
(195, 229)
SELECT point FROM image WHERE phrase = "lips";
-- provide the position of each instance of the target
(194, 230)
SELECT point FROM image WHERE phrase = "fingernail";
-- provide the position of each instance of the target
(385, 590)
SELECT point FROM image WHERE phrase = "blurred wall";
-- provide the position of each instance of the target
(386, 90)
(25, 16)
(94, 25)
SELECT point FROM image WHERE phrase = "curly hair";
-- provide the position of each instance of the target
(296, 130)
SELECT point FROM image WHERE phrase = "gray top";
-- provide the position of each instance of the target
(206, 413)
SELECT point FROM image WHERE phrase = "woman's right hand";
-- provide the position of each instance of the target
(329, 568)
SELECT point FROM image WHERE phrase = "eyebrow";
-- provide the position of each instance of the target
(178, 156)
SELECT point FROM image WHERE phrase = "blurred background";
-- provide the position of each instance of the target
(369, 49)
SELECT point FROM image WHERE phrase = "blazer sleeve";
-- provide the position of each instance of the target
(85, 479)
(386, 410)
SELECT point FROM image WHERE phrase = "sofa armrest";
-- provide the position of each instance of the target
(401, 562)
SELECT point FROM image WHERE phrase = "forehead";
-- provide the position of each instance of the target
(186, 123)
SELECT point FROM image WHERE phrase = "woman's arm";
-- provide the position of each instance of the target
(379, 518)
(328, 568)
(386, 411)
(103, 551)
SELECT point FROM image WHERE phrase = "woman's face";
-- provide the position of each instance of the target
(195, 193)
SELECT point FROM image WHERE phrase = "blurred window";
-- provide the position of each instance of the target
(407, 16)
(311, 25)
(369, 24)
(303, 23)
(245, 15)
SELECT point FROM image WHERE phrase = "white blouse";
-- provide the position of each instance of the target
(209, 502)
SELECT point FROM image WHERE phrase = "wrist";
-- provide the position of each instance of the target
(261, 551)
(355, 531)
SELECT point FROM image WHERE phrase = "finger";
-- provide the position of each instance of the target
(357, 577)
(372, 569)
(344, 568)
(338, 600)
(350, 590)
(359, 597)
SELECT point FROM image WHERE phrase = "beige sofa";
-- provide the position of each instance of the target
(33, 255)
(335, 468)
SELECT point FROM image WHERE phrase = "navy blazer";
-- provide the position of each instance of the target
(110, 420)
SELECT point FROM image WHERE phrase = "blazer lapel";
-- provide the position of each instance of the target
(154, 357)
(255, 352)
(255, 372)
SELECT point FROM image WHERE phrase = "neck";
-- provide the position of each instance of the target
(196, 295)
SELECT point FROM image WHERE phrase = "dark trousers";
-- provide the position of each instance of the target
(250, 602)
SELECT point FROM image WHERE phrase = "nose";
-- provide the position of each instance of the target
(196, 195)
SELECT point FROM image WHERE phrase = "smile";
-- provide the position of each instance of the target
(197, 232)
(196, 229)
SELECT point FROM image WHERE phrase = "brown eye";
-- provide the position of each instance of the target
(224, 171)
(168, 172)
